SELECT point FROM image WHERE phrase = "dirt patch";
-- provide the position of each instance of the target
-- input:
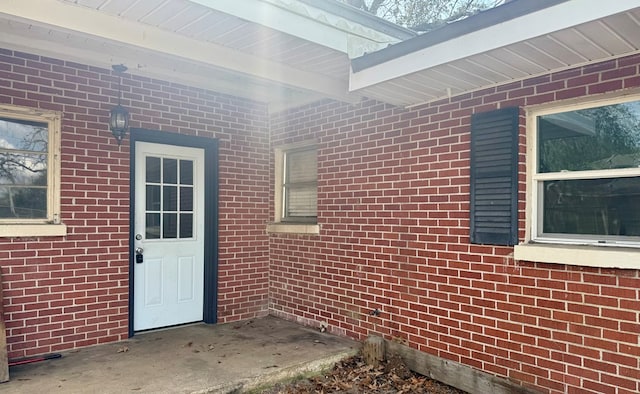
(354, 376)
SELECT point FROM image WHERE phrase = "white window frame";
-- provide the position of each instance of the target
(279, 225)
(51, 225)
(581, 250)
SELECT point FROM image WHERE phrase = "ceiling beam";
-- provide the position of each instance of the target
(62, 16)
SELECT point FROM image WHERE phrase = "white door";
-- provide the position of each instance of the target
(169, 235)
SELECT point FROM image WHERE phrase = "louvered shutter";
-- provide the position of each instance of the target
(494, 177)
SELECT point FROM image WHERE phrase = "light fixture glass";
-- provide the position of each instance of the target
(119, 116)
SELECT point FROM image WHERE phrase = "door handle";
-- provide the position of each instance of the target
(139, 250)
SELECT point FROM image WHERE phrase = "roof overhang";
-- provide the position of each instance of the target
(281, 52)
(518, 40)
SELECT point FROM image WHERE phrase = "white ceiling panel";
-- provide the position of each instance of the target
(487, 60)
(117, 7)
(161, 14)
(90, 3)
(489, 73)
(135, 9)
(605, 37)
(185, 17)
(564, 54)
(539, 56)
(602, 39)
(189, 41)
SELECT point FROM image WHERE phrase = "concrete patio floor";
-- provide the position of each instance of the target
(225, 358)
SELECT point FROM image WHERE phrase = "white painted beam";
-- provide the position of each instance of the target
(58, 15)
(548, 20)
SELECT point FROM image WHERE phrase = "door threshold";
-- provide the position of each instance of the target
(158, 329)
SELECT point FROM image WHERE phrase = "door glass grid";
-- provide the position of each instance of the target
(169, 198)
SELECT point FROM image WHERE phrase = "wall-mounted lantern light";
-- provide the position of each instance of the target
(119, 116)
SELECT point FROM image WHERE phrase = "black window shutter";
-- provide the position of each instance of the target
(494, 177)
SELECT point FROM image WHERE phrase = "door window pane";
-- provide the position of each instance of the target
(169, 225)
(186, 172)
(186, 225)
(153, 198)
(170, 171)
(170, 198)
(152, 225)
(153, 169)
(186, 198)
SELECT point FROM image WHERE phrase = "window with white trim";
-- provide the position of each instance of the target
(585, 178)
(29, 172)
(296, 189)
(300, 185)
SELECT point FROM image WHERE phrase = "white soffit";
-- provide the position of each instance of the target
(306, 22)
(98, 24)
(198, 42)
(562, 36)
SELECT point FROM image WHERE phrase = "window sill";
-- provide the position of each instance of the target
(33, 230)
(582, 255)
(293, 228)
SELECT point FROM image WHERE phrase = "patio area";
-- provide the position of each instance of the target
(199, 358)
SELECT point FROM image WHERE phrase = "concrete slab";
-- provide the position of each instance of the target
(224, 358)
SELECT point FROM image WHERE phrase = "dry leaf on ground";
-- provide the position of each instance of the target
(354, 376)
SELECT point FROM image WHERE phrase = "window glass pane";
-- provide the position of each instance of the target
(153, 169)
(186, 225)
(170, 225)
(186, 172)
(24, 185)
(302, 202)
(170, 198)
(23, 202)
(300, 186)
(23, 135)
(592, 206)
(590, 139)
(170, 171)
(23, 169)
(153, 198)
(302, 166)
(152, 225)
(186, 198)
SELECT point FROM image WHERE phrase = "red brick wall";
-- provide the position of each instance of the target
(393, 206)
(65, 292)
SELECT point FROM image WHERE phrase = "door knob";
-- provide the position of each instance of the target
(139, 250)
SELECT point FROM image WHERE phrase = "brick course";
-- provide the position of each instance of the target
(72, 291)
(393, 206)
